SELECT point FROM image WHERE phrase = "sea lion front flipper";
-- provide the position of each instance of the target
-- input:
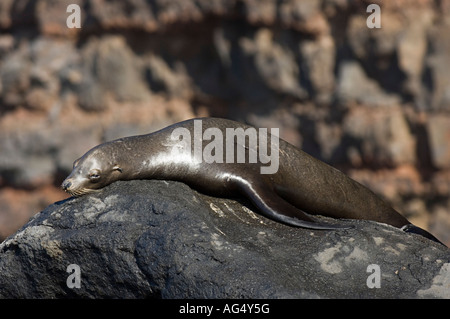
(276, 208)
(410, 228)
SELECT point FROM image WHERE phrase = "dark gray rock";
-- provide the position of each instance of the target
(162, 239)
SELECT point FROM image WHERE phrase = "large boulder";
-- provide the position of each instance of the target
(160, 239)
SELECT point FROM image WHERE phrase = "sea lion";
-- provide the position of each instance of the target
(299, 186)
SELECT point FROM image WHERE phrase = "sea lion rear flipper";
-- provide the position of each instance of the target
(276, 208)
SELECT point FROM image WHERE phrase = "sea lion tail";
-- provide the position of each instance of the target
(410, 228)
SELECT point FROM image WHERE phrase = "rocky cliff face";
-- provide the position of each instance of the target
(373, 102)
(158, 239)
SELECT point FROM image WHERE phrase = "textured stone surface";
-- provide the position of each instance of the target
(158, 239)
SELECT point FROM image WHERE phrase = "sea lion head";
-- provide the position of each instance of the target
(92, 171)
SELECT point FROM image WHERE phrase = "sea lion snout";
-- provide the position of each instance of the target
(74, 188)
(66, 185)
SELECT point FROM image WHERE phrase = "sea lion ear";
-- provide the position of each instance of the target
(75, 163)
(117, 168)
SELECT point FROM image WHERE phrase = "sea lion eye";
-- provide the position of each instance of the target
(94, 175)
(117, 168)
